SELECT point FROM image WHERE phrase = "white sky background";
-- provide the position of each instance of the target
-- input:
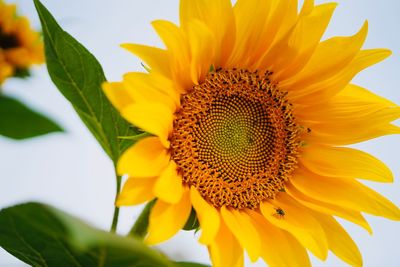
(70, 170)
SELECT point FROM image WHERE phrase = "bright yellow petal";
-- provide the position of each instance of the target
(348, 134)
(303, 40)
(156, 58)
(356, 114)
(344, 192)
(251, 17)
(290, 18)
(344, 162)
(136, 191)
(326, 208)
(278, 247)
(169, 186)
(209, 12)
(298, 222)
(330, 55)
(5, 71)
(355, 92)
(241, 227)
(208, 217)
(147, 158)
(318, 92)
(339, 241)
(202, 43)
(225, 250)
(290, 55)
(354, 104)
(145, 88)
(307, 8)
(178, 49)
(154, 118)
(167, 219)
(347, 119)
(117, 94)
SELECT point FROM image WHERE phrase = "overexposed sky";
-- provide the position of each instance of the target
(70, 170)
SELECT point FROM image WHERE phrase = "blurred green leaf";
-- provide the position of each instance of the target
(139, 229)
(192, 222)
(78, 76)
(21, 73)
(41, 235)
(18, 121)
(191, 264)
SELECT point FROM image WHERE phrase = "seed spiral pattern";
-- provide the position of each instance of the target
(235, 139)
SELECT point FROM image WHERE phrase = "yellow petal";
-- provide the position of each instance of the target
(303, 40)
(307, 8)
(202, 43)
(298, 222)
(145, 88)
(278, 247)
(346, 132)
(167, 219)
(225, 250)
(117, 94)
(136, 191)
(178, 49)
(169, 187)
(208, 217)
(280, 20)
(344, 162)
(344, 192)
(154, 118)
(354, 113)
(353, 105)
(147, 158)
(280, 17)
(5, 71)
(290, 55)
(156, 58)
(209, 12)
(241, 227)
(172, 37)
(251, 17)
(339, 241)
(347, 119)
(329, 57)
(326, 88)
(355, 92)
(326, 208)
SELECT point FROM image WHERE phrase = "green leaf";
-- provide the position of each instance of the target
(41, 235)
(78, 76)
(192, 222)
(139, 229)
(191, 264)
(21, 73)
(18, 121)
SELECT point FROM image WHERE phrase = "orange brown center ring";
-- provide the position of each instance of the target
(235, 139)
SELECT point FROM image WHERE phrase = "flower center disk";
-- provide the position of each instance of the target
(8, 41)
(235, 138)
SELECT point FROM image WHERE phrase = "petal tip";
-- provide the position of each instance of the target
(127, 46)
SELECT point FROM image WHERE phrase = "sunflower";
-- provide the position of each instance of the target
(20, 46)
(250, 115)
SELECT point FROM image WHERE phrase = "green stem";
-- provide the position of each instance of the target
(139, 229)
(116, 209)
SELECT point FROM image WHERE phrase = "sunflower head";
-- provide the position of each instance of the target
(249, 114)
(20, 46)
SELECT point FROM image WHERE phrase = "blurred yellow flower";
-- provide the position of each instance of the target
(20, 46)
(249, 112)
